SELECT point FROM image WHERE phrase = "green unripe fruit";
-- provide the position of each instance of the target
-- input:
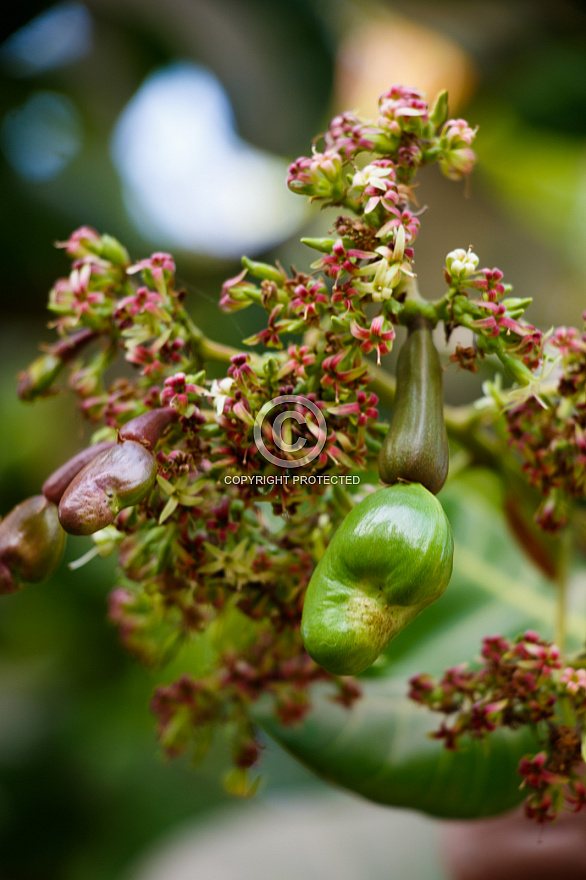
(390, 558)
(38, 378)
(31, 543)
(117, 478)
(416, 446)
(40, 375)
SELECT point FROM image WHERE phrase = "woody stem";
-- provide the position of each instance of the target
(561, 582)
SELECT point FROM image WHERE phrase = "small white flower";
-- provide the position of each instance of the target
(399, 244)
(105, 542)
(371, 175)
(460, 263)
(542, 387)
(219, 392)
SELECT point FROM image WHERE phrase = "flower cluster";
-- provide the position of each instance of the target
(549, 430)
(518, 682)
(187, 710)
(368, 168)
(201, 550)
(408, 131)
(217, 567)
(478, 300)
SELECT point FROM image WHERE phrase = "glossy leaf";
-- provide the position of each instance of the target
(380, 748)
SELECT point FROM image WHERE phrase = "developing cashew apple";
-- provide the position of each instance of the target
(390, 558)
(416, 446)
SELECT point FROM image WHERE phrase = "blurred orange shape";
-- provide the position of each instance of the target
(387, 49)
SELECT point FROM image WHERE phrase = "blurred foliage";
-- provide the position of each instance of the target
(273, 61)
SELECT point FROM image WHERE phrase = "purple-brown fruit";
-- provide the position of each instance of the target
(510, 847)
(148, 427)
(31, 543)
(55, 485)
(117, 478)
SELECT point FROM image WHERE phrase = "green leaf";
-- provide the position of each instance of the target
(263, 270)
(169, 508)
(439, 112)
(380, 748)
(325, 245)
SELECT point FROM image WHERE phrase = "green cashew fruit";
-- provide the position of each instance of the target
(390, 558)
(416, 446)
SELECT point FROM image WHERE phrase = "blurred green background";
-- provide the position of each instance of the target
(170, 126)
